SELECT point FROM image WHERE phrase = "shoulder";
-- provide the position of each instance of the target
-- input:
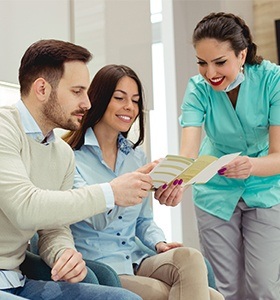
(10, 122)
(197, 83)
(9, 114)
(62, 144)
(136, 157)
(264, 70)
(63, 150)
(197, 89)
(139, 152)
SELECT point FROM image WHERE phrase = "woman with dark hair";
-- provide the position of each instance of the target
(103, 152)
(237, 98)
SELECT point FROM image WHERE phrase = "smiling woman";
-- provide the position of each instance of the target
(103, 152)
(235, 96)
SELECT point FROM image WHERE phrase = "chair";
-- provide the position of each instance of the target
(35, 268)
(98, 273)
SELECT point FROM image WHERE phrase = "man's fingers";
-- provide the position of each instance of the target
(68, 266)
(60, 263)
(130, 188)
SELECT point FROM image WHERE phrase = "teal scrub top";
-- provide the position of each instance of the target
(244, 129)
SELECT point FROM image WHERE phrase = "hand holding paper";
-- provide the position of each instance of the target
(191, 171)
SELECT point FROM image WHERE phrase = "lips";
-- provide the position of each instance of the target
(217, 81)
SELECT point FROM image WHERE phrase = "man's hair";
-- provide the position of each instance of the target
(46, 59)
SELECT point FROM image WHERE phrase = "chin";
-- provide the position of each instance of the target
(218, 88)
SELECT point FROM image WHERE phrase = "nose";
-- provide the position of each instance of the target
(210, 72)
(128, 105)
(86, 105)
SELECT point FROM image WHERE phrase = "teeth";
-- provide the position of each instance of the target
(125, 117)
(216, 80)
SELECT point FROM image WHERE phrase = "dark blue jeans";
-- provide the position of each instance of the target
(50, 290)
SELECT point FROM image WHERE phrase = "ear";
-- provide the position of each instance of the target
(41, 89)
(243, 55)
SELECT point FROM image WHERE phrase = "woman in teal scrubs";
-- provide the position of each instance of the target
(236, 97)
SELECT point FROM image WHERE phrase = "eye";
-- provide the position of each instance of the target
(201, 63)
(118, 98)
(136, 101)
(220, 63)
(77, 92)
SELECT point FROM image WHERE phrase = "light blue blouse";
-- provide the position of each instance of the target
(110, 237)
(230, 130)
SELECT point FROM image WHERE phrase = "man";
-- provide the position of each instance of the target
(37, 170)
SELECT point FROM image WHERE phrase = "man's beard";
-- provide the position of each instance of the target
(54, 113)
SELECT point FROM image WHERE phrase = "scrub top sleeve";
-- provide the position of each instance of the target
(193, 106)
(274, 112)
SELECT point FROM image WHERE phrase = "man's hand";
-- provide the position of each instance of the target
(170, 195)
(163, 247)
(130, 188)
(146, 169)
(69, 267)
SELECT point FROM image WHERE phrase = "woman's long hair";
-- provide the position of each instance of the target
(100, 93)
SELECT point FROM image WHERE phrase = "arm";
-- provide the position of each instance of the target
(190, 141)
(244, 166)
(146, 229)
(149, 233)
(66, 262)
(56, 246)
(26, 204)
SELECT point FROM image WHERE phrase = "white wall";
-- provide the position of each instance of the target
(24, 22)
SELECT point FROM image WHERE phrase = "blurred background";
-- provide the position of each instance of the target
(153, 37)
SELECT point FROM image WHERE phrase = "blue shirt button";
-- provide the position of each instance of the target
(127, 257)
(118, 234)
(120, 217)
(123, 242)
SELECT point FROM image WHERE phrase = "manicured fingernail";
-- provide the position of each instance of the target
(175, 181)
(180, 182)
(164, 186)
(222, 171)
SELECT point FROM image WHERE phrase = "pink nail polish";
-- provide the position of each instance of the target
(164, 186)
(180, 182)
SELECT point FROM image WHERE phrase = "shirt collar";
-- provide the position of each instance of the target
(123, 144)
(30, 126)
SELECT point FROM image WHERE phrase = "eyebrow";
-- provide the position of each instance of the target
(218, 58)
(125, 92)
(79, 87)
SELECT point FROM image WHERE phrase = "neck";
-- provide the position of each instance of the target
(107, 139)
(38, 116)
(233, 95)
(108, 144)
